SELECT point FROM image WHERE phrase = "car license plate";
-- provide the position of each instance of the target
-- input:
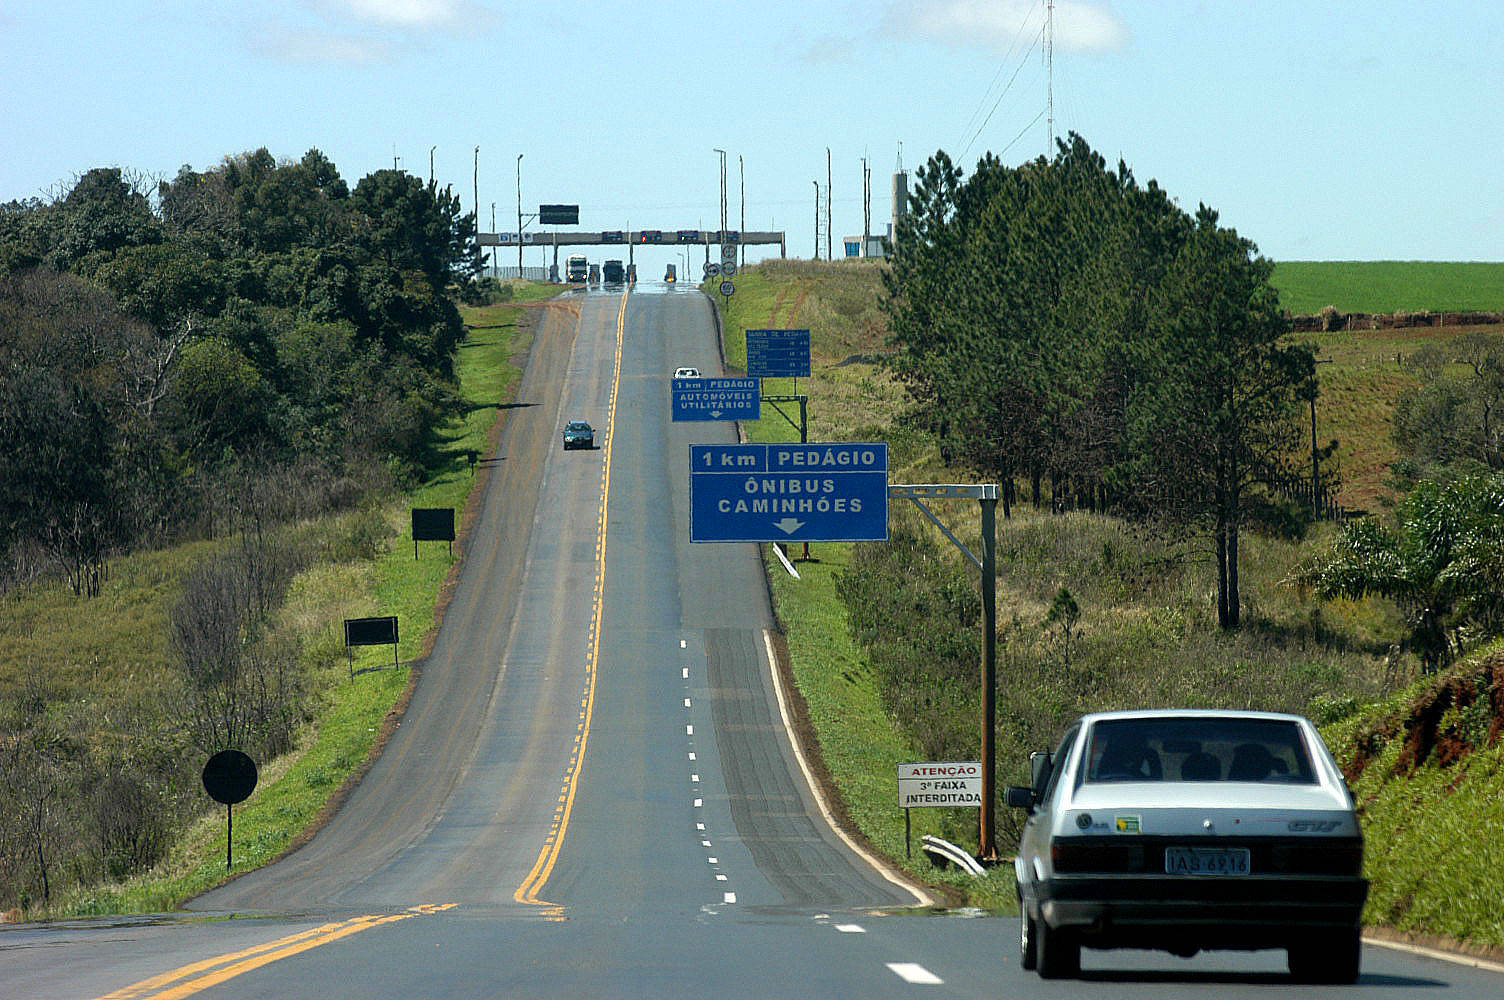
(1207, 861)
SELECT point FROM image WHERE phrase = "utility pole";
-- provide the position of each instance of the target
(829, 254)
(817, 218)
(722, 235)
(475, 187)
(519, 216)
(493, 231)
(430, 164)
(866, 206)
(741, 186)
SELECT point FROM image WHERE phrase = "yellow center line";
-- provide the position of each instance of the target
(531, 886)
(160, 988)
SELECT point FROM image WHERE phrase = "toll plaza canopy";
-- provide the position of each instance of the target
(637, 237)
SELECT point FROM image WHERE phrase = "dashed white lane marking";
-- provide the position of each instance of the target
(691, 755)
(686, 673)
(683, 644)
(689, 730)
(730, 897)
(714, 861)
(695, 778)
(913, 972)
(699, 826)
(720, 878)
(699, 803)
(686, 703)
(851, 928)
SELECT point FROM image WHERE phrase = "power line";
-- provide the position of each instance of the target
(1002, 65)
(1022, 63)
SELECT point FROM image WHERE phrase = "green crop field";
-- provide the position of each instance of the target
(1389, 286)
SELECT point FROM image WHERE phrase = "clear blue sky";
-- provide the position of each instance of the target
(1320, 130)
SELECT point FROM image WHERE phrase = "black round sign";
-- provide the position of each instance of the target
(230, 777)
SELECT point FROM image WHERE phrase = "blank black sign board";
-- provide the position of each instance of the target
(559, 215)
(229, 777)
(433, 524)
(371, 632)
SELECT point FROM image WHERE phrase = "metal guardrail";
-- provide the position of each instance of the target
(945, 850)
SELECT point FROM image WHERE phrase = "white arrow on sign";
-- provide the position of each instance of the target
(716, 414)
(788, 525)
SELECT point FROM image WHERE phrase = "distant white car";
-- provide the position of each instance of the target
(686, 373)
(1190, 830)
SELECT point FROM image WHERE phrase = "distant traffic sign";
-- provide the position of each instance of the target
(778, 353)
(834, 492)
(689, 236)
(728, 253)
(727, 289)
(559, 215)
(716, 399)
(712, 269)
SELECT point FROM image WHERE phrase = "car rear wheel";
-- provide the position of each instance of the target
(1026, 934)
(1057, 952)
(1328, 958)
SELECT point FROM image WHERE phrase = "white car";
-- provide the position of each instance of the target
(686, 373)
(1190, 830)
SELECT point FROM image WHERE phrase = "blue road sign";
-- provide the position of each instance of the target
(716, 399)
(788, 492)
(778, 353)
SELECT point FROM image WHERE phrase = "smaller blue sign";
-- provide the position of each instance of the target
(778, 353)
(716, 399)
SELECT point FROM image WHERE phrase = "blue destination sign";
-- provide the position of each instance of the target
(788, 492)
(716, 399)
(778, 353)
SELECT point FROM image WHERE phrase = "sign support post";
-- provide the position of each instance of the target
(987, 495)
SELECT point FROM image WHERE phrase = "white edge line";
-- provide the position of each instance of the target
(1444, 956)
(923, 898)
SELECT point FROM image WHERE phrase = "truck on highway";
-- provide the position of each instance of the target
(613, 273)
(576, 269)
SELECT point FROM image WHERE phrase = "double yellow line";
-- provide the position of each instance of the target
(191, 979)
(528, 891)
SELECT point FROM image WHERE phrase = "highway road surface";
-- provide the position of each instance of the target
(593, 793)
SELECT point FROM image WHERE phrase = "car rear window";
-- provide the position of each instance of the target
(1198, 749)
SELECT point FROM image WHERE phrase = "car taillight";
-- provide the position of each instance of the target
(1080, 855)
(1339, 858)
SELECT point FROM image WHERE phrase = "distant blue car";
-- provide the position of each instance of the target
(578, 434)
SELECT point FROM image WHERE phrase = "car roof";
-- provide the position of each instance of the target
(1189, 713)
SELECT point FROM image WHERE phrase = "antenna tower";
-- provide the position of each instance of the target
(1049, 60)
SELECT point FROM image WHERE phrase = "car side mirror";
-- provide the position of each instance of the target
(1041, 763)
(1019, 797)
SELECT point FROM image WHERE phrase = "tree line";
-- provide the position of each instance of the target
(157, 343)
(223, 355)
(1058, 323)
(1061, 325)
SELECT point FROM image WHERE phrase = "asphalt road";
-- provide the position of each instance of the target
(593, 793)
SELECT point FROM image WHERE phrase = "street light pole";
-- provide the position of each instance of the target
(519, 216)
(493, 235)
(430, 164)
(721, 238)
(741, 185)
